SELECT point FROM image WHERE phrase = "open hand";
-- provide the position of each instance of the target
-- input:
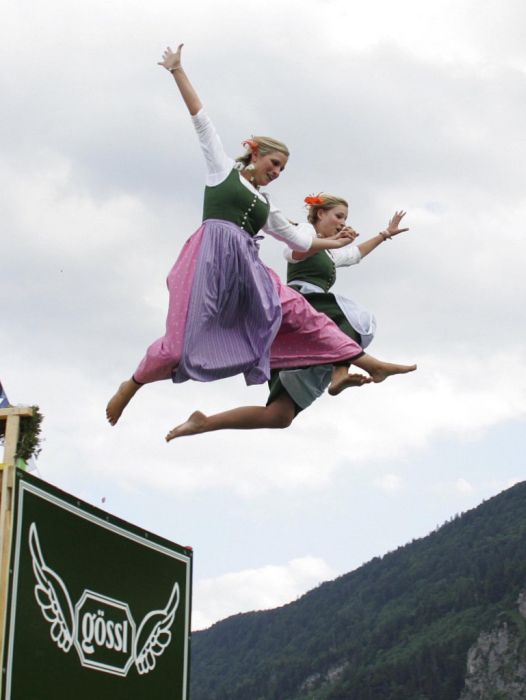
(171, 60)
(394, 224)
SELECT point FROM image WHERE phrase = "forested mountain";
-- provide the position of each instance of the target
(397, 628)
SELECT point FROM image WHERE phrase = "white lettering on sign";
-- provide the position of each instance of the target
(106, 633)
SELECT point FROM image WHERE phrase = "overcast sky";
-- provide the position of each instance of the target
(406, 105)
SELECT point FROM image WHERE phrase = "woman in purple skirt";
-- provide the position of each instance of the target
(226, 307)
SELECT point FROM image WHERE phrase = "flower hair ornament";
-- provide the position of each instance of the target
(251, 146)
(314, 200)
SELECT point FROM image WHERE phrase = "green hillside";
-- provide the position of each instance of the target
(397, 628)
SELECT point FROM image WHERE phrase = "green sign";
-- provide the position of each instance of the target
(98, 609)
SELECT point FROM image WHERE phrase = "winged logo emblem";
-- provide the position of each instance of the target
(101, 628)
(52, 596)
(156, 629)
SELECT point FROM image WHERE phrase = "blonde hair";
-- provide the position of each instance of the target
(263, 145)
(326, 201)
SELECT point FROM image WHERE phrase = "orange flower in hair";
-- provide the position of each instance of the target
(250, 145)
(313, 200)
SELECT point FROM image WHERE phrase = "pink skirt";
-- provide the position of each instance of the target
(307, 337)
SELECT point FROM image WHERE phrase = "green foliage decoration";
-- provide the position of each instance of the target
(29, 438)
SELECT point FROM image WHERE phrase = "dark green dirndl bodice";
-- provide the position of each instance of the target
(232, 201)
(320, 270)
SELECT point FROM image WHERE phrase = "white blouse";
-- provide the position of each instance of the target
(219, 166)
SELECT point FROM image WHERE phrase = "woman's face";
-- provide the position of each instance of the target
(331, 221)
(268, 167)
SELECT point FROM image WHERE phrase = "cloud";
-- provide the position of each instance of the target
(463, 486)
(256, 589)
(387, 482)
(478, 486)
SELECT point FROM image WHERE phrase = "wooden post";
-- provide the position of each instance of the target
(7, 480)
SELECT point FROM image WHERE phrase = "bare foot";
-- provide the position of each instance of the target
(192, 426)
(344, 381)
(387, 369)
(121, 399)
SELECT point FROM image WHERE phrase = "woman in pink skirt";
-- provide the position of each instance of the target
(226, 307)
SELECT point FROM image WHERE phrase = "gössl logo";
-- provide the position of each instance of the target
(101, 628)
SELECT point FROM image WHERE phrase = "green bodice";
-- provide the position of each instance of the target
(232, 201)
(319, 269)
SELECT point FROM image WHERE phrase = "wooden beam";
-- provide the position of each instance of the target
(15, 411)
(7, 481)
(12, 431)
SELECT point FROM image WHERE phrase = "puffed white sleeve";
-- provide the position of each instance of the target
(218, 163)
(344, 257)
(298, 237)
(288, 253)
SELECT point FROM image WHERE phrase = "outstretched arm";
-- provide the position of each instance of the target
(340, 240)
(301, 237)
(393, 229)
(172, 62)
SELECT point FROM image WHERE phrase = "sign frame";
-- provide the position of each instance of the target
(145, 651)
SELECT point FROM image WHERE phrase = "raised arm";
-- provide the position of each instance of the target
(393, 229)
(218, 162)
(172, 62)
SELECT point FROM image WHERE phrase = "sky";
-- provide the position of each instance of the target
(406, 105)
